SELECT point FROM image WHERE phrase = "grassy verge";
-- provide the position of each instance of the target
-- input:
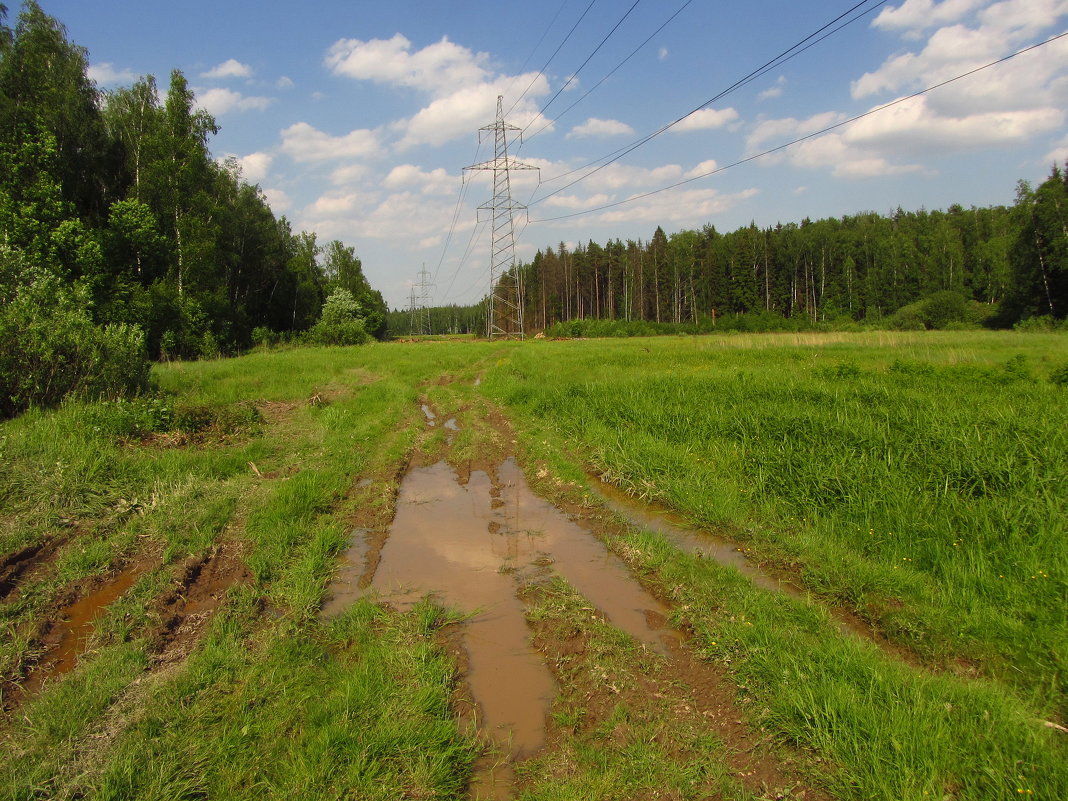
(913, 479)
(265, 452)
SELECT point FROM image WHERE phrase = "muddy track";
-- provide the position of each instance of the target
(472, 533)
(21, 564)
(199, 588)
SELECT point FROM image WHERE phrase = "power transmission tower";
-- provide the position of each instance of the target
(505, 313)
(425, 296)
(413, 314)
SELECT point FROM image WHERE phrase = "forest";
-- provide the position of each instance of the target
(995, 266)
(122, 238)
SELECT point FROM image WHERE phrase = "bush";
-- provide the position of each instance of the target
(51, 349)
(341, 322)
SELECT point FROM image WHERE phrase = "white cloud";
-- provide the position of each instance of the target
(773, 91)
(438, 68)
(304, 143)
(278, 200)
(576, 203)
(349, 174)
(594, 127)
(706, 119)
(435, 182)
(255, 166)
(105, 74)
(462, 112)
(285, 82)
(1059, 154)
(703, 168)
(332, 204)
(662, 53)
(680, 207)
(231, 68)
(915, 15)
(220, 101)
(777, 132)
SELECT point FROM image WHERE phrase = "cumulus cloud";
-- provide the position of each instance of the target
(463, 90)
(437, 68)
(435, 182)
(231, 68)
(461, 112)
(348, 174)
(679, 207)
(105, 74)
(1059, 154)
(302, 142)
(773, 91)
(278, 200)
(285, 82)
(914, 15)
(662, 53)
(706, 119)
(221, 101)
(255, 166)
(594, 127)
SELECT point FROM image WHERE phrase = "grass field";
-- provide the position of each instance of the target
(916, 481)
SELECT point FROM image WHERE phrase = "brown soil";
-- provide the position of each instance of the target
(198, 590)
(67, 629)
(25, 562)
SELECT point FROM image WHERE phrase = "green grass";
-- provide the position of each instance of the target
(274, 702)
(915, 479)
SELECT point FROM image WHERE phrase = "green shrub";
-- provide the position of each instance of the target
(1060, 376)
(51, 349)
(341, 322)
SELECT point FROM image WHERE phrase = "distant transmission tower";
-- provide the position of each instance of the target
(505, 315)
(413, 313)
(425, 297)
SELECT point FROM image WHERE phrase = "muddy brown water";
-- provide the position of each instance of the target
(69, 636)
(463, 544)
(674, 529)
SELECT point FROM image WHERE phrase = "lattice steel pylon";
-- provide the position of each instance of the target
(424, 293)
(505, 312)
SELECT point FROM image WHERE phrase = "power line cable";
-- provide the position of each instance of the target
(786, 55)
(812, 135)
(463, 259)
(587, 61)
(549, 61)
(613, 71)
(455, 216)
(535, 49)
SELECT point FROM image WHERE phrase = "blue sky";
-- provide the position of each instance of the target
(357, 118)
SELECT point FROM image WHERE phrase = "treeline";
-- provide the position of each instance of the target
(866, 267)
(451, 319)
(117, 223)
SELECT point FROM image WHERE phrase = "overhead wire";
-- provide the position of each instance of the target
(535, 48)
(545, 66)
(582, 66)
(463, 259)
(455, 216)
(611, 72)
(786, 55)
(806, 137)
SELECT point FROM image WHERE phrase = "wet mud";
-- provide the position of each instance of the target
(65, 639)
(198, 591)
(16, 566)
(674, 528)
(467, 544)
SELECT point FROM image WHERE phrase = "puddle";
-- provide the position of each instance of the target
(440, 542)
(69, 636)
(674, 529)
(463, 543)
(344, 588)
(536, 526)
(429, 414)
(451, 424)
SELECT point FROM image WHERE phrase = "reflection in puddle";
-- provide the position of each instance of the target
(463, 543)
(344, 588)
(709, 546)
(429, 414)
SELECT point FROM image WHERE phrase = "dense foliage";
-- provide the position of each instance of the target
(909, 270)
(112, 206)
